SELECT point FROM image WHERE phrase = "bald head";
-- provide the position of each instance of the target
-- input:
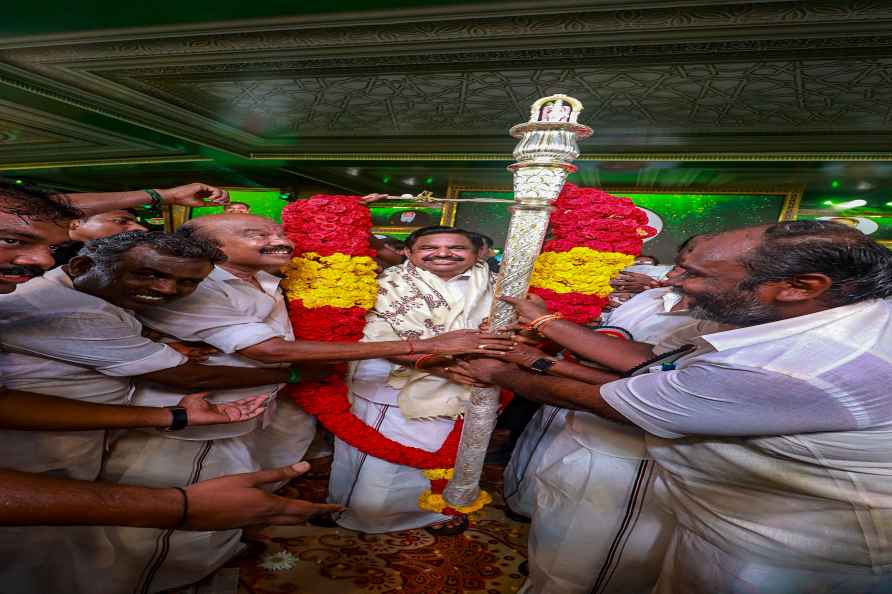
(250, 242)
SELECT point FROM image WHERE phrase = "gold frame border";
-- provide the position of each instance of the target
(493, 156)
(789, 209)
(447, 217)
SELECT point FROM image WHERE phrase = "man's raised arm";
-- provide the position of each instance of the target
(194, 194)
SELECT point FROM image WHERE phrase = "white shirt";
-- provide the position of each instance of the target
(229, 314)
(648, 319)
(776, 437)
(63, 342)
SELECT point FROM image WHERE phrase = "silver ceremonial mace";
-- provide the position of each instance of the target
(544, 157)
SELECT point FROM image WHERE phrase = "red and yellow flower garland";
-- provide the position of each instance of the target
(594, 235)
(331, 284)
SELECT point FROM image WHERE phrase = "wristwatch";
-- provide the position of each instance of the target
(542, 365)
(180, 418)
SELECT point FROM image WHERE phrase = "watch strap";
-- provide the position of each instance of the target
(180, 418)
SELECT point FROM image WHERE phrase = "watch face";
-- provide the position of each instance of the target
(542, 365)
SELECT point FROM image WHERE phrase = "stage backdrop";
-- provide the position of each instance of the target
(675, 213)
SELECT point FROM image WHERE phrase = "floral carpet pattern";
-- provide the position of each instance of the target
(313, 560)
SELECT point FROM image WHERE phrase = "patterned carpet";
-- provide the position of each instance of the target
(311, 560)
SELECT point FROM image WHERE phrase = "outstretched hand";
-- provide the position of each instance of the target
(195, 194)
(237, 501)
(484, 370)
(460, 342)
(202, 412)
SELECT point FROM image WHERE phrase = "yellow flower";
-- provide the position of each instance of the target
(580, 270)
(438, 474)
(434, 502)
(337, 280)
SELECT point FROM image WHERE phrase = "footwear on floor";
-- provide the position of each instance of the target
(452, 527)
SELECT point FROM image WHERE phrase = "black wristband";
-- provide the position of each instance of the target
(180, 418)
(155, 197)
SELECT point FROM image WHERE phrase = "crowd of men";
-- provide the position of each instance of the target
(724, 430)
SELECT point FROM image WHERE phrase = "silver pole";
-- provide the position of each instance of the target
(544, 157)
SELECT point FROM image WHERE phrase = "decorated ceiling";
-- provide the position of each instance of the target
(357, 96)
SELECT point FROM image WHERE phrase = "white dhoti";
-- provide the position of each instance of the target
(597, 528)
(381, 496)
(694, 566)
(284, 440)
(151, 560)
(528, 458)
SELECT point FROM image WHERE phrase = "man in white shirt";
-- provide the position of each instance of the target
(241, 311)
(70, 333)
(441, 287)
(649, 317)
(772, 439)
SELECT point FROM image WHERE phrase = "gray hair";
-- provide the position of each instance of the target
(106, 252)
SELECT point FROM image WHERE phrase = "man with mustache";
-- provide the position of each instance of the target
(414, 400)
(241, 311)
(70, 334)
(772, 438)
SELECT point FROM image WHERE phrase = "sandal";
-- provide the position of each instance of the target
(451, 527)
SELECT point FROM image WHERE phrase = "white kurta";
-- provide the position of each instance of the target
(229, 314)
(596, 525)
(382, 496)
(62, 342)
(773, 445)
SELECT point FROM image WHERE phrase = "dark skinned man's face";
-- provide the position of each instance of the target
(141, 278)
(25, 248)
(444, 254)
(710, 276)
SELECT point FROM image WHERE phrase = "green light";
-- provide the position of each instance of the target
(386, 179)
(889, 204)
(834, 183)
(827, 203)
(429, 180)
(19, 181)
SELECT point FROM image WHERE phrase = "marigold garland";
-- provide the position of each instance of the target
(337, 280)
(331, 284)
(593, 237)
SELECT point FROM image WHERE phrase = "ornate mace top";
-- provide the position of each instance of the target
(547, 148)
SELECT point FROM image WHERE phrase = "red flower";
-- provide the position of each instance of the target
(576, 307)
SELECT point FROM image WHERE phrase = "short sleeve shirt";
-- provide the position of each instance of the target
(229, 314)
(62, 342)
(775, 437)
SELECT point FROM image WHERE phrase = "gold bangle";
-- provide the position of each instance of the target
(544, 322)
(535, 324)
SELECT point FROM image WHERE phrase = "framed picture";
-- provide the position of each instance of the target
(676, 213)
(399, 218)
(876, 224)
